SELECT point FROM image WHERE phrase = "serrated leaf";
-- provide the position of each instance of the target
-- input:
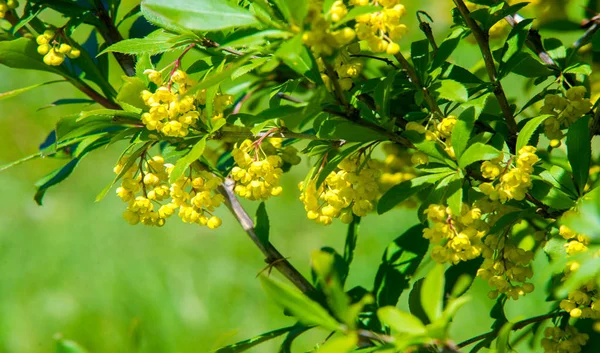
(106, 113)
(401, 321)
(450, 90)
(243, 346)
(184, 162)
(196, 15)
(579, 151)
(432, 293)
(478, 152)
(54, 178)
(406, 189)
(299, 305)
(447, 47)
(461, 133)
(156, 43)
(295, 55)
(529, 129)
(129, 96)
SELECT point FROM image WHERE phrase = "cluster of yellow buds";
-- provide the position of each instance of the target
(54, 52)
(569, 340)
(220, 103)
(440, 132)
(583, 302)
(346, 69)
(197, 197)
(398, 166)
(172, 112)
(258, 175)
(564, 111)
(457, 237)
(513, 181)
(351, 190)
(322, 38)
(6, 6)
(147, 188)
(382, 29)
(505, 264)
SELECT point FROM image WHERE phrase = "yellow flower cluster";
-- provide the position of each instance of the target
(346, 69)
(382, 29)
(257, 176)
(6, 6)
(505, 264)
(568, 340)
(147, 188)
(583, 302)
(351, 190)
(440, 132)
(513, 182)
(171, 111)
(398, 166)
(564, 111)
(322, 38)
(54, 52)
(274, 146)
(457, 237)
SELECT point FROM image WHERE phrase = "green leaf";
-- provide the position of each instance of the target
(478, 152)
(450, 90)
(299, 305)
(516, 39)
(432, 293)
(156, 42)
(344, 344)
(129, 96)
(295, 55)
(579, 68)
(184, 162)
(529, 129)
(579, 150)
(399, 263)
(587, 218)
(551, 196)
(502, 343)
(458, 278)
(294, 11)
(406, 189)
(401, 321)
(350, 244)
(455, 194)
(54, 178)
(448, 46)
(461, 133)
(16, 92)
(106, 113)
(200, 15)
(254, 64)
(243, 346)
(430, 148)
(383, 94)
(341, 129)
(329, 279)
(67, 346)
(261, 224)
(419, 52)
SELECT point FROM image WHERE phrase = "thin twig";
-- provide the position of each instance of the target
(484, 46)
(272, 255)
(111, 35)
(387, 61)
(416, 81)
(517, 326)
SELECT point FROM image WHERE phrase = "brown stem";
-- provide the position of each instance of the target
(416, 81)
(272, 256)
(517, 326)
(90, 92)
(111, 35)
(484, 46)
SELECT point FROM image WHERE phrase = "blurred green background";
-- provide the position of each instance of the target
(74, 267)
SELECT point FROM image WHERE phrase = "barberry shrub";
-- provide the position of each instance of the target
(498, 179)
